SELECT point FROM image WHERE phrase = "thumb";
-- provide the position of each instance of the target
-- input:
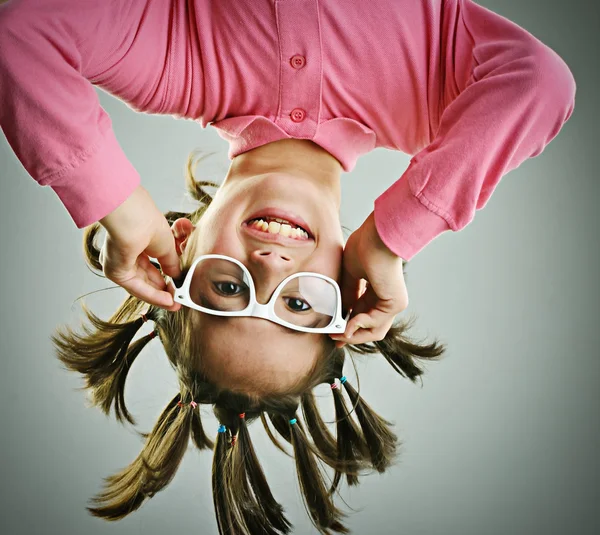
(360, 321)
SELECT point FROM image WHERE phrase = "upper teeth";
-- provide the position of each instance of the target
(278, 226)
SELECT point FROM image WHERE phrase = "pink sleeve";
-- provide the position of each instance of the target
(518, 96)
(50, 113)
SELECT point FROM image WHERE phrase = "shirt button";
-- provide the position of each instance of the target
(298, 115)
(298, 61)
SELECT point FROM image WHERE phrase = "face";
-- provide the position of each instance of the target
(238, 349)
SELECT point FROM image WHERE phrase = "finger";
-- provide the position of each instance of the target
(123, 269)
(146, 292)
(360, 321)
(162, 247)
(350, 290)
(153, 274)
(363, 336)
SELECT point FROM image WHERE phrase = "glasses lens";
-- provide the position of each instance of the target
(307, 301)
(220, 284)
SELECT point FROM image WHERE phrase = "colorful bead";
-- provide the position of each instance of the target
(193, 404)
(343, 379)
(333, 386)
(293, 421)
(243, 415)
(222, 429)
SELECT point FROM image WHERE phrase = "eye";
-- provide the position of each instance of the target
(296, 305)
(229, 288)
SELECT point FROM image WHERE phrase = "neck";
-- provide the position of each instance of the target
(299, 157)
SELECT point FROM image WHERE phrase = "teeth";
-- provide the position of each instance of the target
(279, 226)
(274, 227)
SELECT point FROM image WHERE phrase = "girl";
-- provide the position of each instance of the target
(469, 94)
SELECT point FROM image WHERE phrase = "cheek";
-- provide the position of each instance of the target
(219, 239)
(331, 263)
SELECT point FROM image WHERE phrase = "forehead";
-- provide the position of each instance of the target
(256, 353)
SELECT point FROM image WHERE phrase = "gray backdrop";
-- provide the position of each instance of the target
(502, 438)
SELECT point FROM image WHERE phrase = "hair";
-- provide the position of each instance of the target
(243, 502)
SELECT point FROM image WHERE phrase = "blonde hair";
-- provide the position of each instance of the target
(243, 502)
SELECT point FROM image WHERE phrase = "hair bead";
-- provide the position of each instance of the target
(242, 415)
(152, 335)
(333, 386)
(144, 317)
(180, 404)
(343, 379)
(222, 429)
(193, 404)
(293, 421)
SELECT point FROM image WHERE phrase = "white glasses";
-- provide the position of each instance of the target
(222, 286)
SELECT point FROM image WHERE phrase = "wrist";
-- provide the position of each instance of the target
(375, 238)
(129, 214)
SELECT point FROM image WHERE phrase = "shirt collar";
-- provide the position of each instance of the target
(345, 139)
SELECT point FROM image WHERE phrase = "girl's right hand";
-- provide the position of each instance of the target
(135, 231)
(373, 286)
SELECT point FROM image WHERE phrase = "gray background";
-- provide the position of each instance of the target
(502, 438)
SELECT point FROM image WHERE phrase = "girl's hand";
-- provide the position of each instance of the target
(135, 231)
(373, 286)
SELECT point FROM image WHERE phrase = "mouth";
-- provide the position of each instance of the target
(275, 222)
(268, 237)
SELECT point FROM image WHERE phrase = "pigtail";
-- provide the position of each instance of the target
(401, 352)
(351, 445)
(152, 470)
(221, 485)
(321, 436)
(104, 355)
(199, 436)
(258, 509)
(329, 456)
(379, 438)
(270, 434)
(318, 502)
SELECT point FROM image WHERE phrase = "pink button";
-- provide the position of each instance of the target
(298, 61)
(298, 115)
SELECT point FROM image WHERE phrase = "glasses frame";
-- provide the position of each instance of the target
(254, 308)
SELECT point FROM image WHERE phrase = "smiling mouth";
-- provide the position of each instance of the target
(279, 226)
(274, 237)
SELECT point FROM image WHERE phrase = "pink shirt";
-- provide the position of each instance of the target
(467, 93)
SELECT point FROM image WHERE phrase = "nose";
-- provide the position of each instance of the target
(271, 267)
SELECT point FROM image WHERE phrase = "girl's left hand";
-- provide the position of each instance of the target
(373, 286)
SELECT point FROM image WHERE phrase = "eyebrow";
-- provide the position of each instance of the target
(208, 304)
(281, 327)
(315, 324)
